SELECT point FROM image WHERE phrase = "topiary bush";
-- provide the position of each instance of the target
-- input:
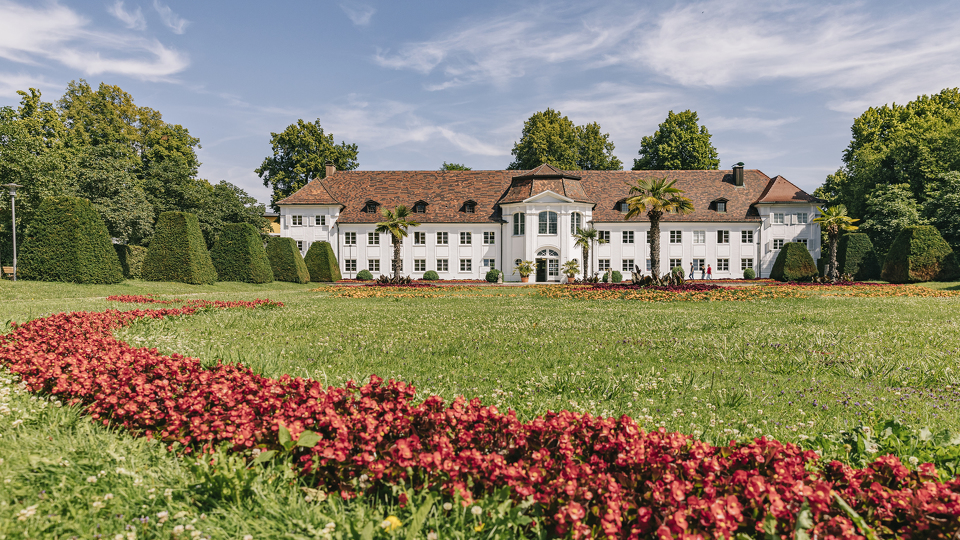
(492, 275)
(67, 241)
(794, 263)
(616, 277)
(364, 275)
(285, 260)
(748, 273)
(131, 260)
(322, 263)
(178, 251)
(856, 256)
(238, 255)
(431, 275)
(919, 253)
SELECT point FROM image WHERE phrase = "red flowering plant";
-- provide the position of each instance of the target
(590, 476)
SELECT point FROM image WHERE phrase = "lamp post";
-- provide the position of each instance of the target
(13, 222)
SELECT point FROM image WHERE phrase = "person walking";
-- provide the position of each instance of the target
(691, 269)
(709, 272)
(703, 270)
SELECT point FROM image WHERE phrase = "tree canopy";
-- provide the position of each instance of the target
(454, 167)
(549, 137)
(300, 153)
(680, 143)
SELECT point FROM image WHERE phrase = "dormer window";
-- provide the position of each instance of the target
(720, 205)
(371, 207)
(623, 206)
(419, 207)
(470, 207)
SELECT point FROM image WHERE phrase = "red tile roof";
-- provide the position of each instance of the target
(446, 191)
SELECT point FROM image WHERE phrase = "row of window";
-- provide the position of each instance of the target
(420, 238)
(778, 242)
(420, 265)
(780, 218)
(301, 220)
(628, 265)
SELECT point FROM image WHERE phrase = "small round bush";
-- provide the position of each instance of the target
(364, 275)
(616, 277)
(431, 275)
(748, 273)
(677, 270)
(492, 275)
(606, 277)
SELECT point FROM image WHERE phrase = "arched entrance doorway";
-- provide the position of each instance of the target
(548, 265)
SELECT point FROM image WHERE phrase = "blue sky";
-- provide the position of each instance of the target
(415, 84)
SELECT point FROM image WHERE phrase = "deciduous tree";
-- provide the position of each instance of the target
(680, 143)
(549, 137)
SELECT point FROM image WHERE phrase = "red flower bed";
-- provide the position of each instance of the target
(592, 476)
(412, 285)
(138, 299)
(831, 284)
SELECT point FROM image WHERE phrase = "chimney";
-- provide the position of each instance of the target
(331, 168)
(738, 174)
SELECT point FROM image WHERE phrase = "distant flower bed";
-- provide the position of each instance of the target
(196, 304)
(590, 476)
(411, 285)
(672, 288)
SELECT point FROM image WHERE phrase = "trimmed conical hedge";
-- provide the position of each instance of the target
(286, 261)
(322, 263)
(131, 260)
(856, 256)
(919, 253)
(794, 263)
(238, 255)
(67, 241)
(178, 252)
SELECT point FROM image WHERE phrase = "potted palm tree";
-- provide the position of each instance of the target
(525, 268)
(571, 268)
(656, 197)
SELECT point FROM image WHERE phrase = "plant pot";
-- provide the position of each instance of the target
(524, 279)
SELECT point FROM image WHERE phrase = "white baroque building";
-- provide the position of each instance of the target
(472, 221)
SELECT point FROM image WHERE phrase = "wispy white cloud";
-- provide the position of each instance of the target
(133, 20)
(11, 82)
(747, 123)
(359, 14)
(29, 35)
(175, 22)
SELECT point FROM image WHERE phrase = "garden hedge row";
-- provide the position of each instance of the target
(794, 263)
(322, 263)
(67, 241)
(131, 260)
(919, 253)
(856, 256)
(238, 255)
(178, 251)
(285, 260)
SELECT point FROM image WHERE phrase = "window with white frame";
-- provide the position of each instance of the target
(300, 246)
(721, 206)
(627, 237)
(675, 263)
(723, 265)
(466, 265)
(519, 223)
(576, 222)
(624, 207)
(746, 263)
(371, 207)
(802, 217)
(443, 265)
(373, 239)
(296, 220)
(553, 267)
(373, 265)
(321, 220)
(419, 238)
(746, 237)
(777, 243)
(777, 218)
(723, 237)
(627, 265)
(603, 264)
(442, 238)
(603, 237)
(420, 207)
(490, 263)
(489, 238)
(349, 238)
(419, 265)
(802, 241)
(548, 222)
(466, 238)
(699, 265)
(350, 265)
(699, 237)
(676, 237)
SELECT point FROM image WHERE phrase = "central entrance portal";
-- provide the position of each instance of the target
(548, 265)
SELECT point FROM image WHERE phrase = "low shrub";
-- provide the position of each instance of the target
(67, 241)
(616, 277)
(856, 256)
(492, 276)
(677, 270)
(364, 275)
(431, 275)
(606, 277)
(794, 263)
(285, 260)
(238, 255)
(748, 273)
(178, 251)
(131, 260)
(322, 263)
(919, 253)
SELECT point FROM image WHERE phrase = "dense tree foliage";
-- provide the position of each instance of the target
(890, 209)
(549, 137)
(680, 143)
(942, 208)
(300, 153)
(454, 167)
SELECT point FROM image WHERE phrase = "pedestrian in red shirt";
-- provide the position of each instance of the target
(709, 272)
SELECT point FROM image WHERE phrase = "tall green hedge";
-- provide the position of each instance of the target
(67, 241)
(178, 251)
(856, 256)
(919, 253)
(238, 255)
(131, 260)
(286, 261)
(794, 263)
(322, 263)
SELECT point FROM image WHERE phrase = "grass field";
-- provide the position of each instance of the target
(793, 369)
